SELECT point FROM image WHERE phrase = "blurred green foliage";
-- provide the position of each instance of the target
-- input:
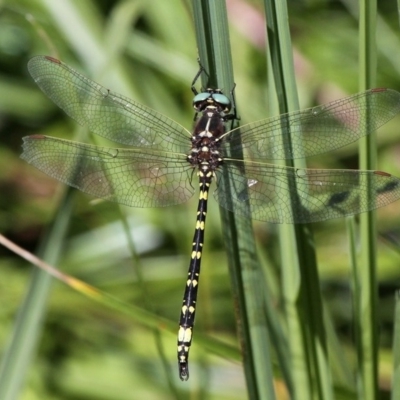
(147, 51)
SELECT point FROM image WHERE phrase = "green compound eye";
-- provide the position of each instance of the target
(201, 97)
(221, 99)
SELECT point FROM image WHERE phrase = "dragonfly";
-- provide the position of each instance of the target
(160, 159)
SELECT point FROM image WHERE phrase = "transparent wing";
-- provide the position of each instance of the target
(316, 130)
(278, 194)
(106, 113)
(125, 176)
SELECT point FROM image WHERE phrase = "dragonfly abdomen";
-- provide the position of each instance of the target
(188, 310)
(205, 156)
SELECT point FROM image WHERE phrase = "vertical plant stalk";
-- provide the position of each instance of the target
(396, 350)
(368, 341)
(303, 302)
(246, 276)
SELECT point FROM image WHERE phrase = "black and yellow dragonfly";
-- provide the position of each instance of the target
(156, 167)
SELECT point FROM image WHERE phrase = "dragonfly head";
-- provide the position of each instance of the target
(212, 97)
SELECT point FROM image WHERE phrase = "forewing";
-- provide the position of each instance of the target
(316, 130)
(106, 113)
(279, 194)
(125, 176)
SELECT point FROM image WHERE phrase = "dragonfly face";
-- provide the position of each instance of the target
(212, 98)
(156, 169)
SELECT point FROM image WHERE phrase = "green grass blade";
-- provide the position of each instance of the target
(396, 350)
(148, 305)
(27, 330)
(28, 326)
(303, 302)
(246, 278)
(367, 322)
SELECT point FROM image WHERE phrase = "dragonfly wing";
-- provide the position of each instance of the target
(316, 130)
(106, 113)
(279, 194)
(124, 176)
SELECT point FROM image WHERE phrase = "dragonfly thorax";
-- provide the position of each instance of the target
(205, 139)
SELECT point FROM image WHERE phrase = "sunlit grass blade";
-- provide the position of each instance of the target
(20, 351)
(303, 302)
(139, 314)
